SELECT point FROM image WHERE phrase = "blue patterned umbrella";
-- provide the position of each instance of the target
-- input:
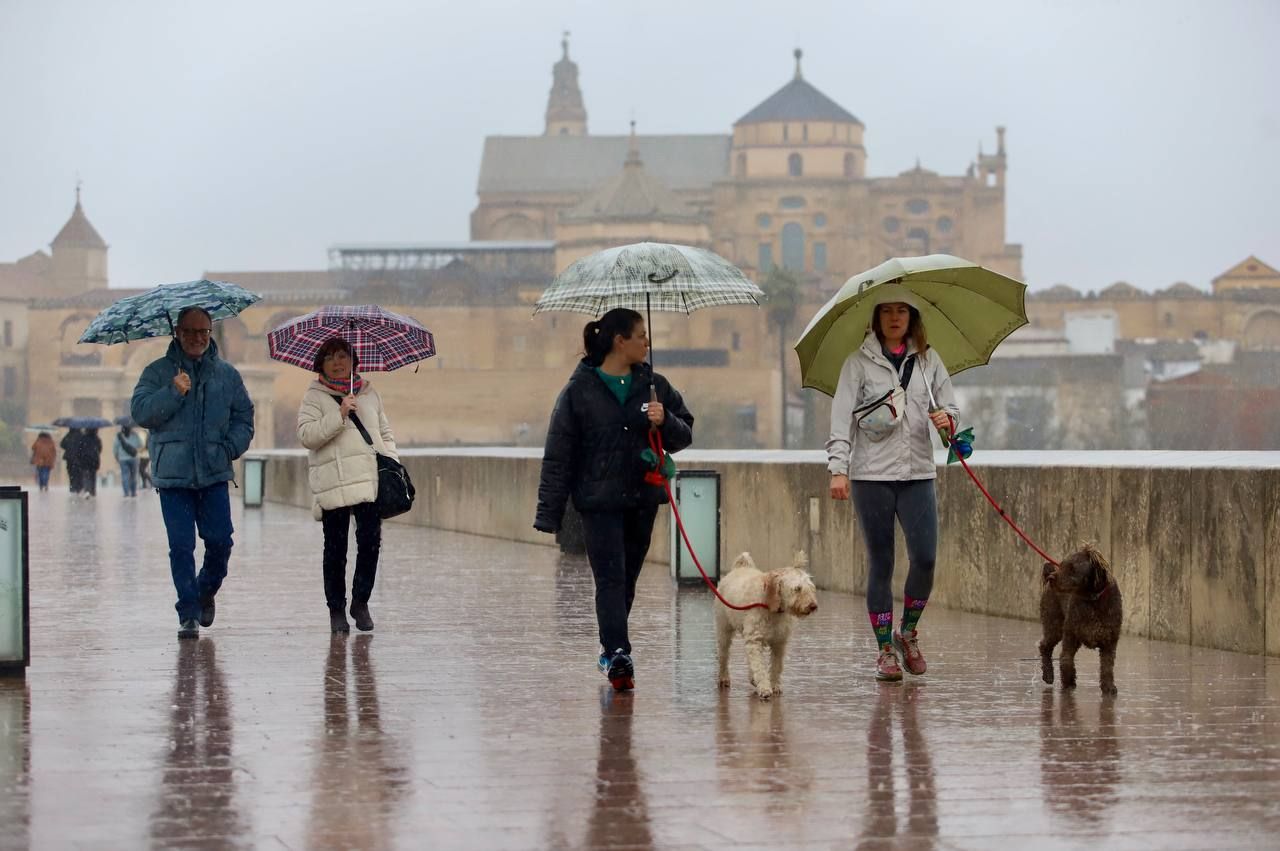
(154, 313)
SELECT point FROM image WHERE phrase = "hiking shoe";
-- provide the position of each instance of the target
(207, 611)
(360, 613)
(602, 664)
(621, 672)
(887, 669)
(338, 622)
(909, 647)
(189, 629)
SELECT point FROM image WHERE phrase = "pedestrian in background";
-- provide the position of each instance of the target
(127, 445)
(344, 427)
(595, 452)
(200, 420)
(44, 455)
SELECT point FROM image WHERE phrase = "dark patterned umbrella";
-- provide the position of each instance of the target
(382, 340)
(154, 313)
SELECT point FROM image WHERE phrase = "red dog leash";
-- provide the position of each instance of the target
(656, 477)
(946, 443)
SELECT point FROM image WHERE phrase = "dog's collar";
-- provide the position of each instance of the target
(1097, 598)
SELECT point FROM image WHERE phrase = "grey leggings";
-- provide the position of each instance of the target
(915, 504)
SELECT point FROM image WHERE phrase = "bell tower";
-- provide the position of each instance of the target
(566, 116)
(79, 255)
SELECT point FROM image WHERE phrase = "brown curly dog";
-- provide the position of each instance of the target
(1080, 605)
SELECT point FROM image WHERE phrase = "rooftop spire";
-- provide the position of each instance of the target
(798, 54)
(566, 116)
(633, 147)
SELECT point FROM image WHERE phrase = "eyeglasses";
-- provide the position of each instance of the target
(195, 332)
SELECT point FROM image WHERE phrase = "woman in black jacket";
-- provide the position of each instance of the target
(595, 453)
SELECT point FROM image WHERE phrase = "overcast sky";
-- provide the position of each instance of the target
(1143, 137)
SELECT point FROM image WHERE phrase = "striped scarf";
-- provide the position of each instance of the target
(354, 387)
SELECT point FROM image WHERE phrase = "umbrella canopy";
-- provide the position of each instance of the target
(154, 313)
(382, 340)
(124, 420)
(967, 310)
(81, 422)
(651, 276)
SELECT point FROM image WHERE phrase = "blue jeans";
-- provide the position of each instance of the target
(186, 511)
(42, 477)
(129, 476)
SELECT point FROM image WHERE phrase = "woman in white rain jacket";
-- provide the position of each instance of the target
(881, 455)
(343, 473)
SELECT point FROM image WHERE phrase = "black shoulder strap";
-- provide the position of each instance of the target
(355, 420)
(908, 368)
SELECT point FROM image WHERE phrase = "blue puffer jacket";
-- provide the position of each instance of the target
(193, 438)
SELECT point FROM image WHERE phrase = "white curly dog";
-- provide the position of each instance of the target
(788, 593)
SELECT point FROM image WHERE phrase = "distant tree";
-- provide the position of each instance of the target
(783, 291)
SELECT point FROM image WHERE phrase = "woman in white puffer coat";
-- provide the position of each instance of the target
(343, 473)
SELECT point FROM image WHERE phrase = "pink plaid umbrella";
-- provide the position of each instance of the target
(382, 340)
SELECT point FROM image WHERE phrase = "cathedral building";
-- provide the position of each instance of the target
(787, 186)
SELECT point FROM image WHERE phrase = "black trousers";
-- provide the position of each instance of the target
(617, 542)
(337, 523)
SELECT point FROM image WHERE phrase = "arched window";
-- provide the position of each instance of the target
(922, 235)
(795, 165)
(793, 247)
(850, 163)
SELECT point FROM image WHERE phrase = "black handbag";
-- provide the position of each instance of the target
(395, 489)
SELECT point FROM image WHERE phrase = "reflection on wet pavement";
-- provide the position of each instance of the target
(474, 716)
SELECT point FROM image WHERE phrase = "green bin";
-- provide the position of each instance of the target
(697, 494)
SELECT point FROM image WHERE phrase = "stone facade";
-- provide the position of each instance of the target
(788, 186)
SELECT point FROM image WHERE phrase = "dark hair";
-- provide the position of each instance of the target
(195, 308)
(331, 345)
(915, 328)
(597, 335)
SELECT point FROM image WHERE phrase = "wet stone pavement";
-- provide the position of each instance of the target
(473, 717)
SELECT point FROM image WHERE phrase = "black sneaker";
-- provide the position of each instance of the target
(207, 611)
(360, 613)
(621, 671)
(189, 629)
(338, 622)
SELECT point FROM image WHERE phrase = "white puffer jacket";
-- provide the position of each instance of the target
(907, 453)
(342, 469)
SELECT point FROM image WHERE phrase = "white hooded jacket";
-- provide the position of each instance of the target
(341, 468)
(907, 453)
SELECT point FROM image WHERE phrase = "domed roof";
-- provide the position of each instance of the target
(1057, 292)
(1121, 289)
(798, 100)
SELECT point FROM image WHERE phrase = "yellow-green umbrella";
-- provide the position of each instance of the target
(967, 310)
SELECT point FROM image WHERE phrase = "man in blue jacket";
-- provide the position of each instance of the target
(200, 420)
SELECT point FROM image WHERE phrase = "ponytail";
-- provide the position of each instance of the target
(598, 334)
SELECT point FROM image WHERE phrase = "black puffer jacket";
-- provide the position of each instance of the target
(594, 445)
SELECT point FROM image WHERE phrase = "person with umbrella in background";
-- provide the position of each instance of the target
(341, 418)
(44, 455)
(594, 452)
(82, 452)
(200, 419)
(126, 448)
